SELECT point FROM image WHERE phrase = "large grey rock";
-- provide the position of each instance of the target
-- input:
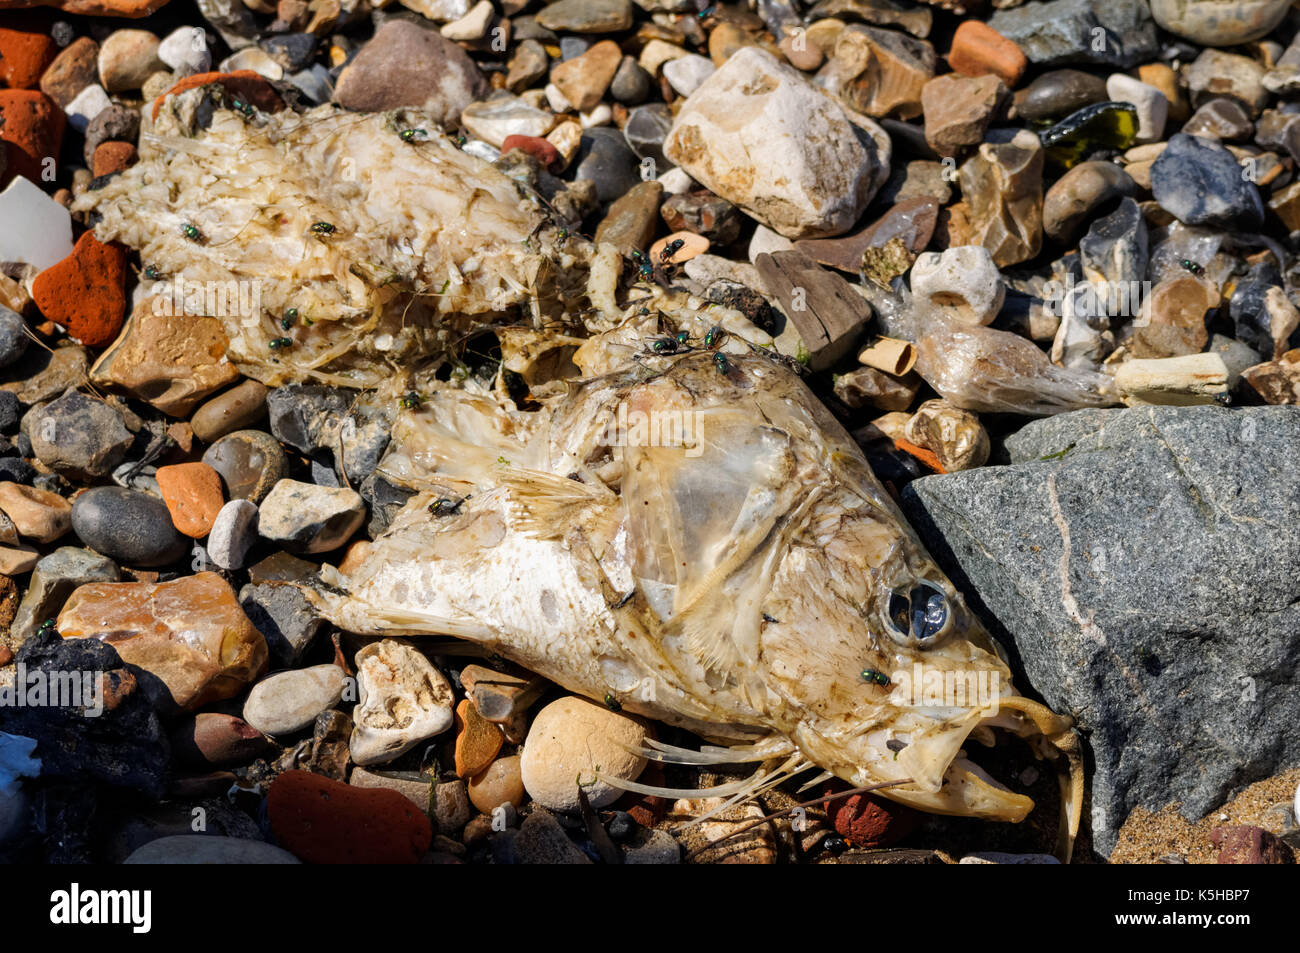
(1113, 32)
(1145, 565)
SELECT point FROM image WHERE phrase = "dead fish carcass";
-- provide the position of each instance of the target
(692, 535)
(683, 529)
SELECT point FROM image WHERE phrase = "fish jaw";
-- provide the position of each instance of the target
(926, 750)
(968, 792)
(890, 740)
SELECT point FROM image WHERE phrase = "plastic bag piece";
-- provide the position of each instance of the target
(983, 369)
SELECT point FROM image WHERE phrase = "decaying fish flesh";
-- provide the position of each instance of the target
(383, 248)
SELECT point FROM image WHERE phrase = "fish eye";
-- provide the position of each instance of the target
(919, 615)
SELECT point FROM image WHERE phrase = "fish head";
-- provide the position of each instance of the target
(769, 549)
(879, 670)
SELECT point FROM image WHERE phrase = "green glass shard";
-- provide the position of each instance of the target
(1078, 135)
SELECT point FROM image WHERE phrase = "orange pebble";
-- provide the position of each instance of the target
(31, 127)
(192, 492)
(978, 49)
(86, 292)
(112, 157)
(322, 821)
(477, 740)
(25, 50)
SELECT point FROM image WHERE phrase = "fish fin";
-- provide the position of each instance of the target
(357, 615)
(708, 630)
(708, 620)
(544, 505)
(758, 783)
(720, 618)
(721, 790)
(736, 792)
(824, 776)
(710, 754)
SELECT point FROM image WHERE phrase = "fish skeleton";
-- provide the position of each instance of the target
(738, 571)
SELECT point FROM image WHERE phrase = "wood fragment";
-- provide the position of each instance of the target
(824, 308)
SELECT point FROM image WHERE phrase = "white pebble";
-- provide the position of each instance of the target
(496, 120)
(1077, 343)
(255, 59)
(1152, 106)
(766, 240)
(439, 11)
(290, 701)
(600, 115)
(482, 150)
(233, 533)
(557, 100)
(88, 104)
(687, 73)
(963, 282)
(393, 678)
(473, 25)
(676, 182)
(185, 50)
(572, 738)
